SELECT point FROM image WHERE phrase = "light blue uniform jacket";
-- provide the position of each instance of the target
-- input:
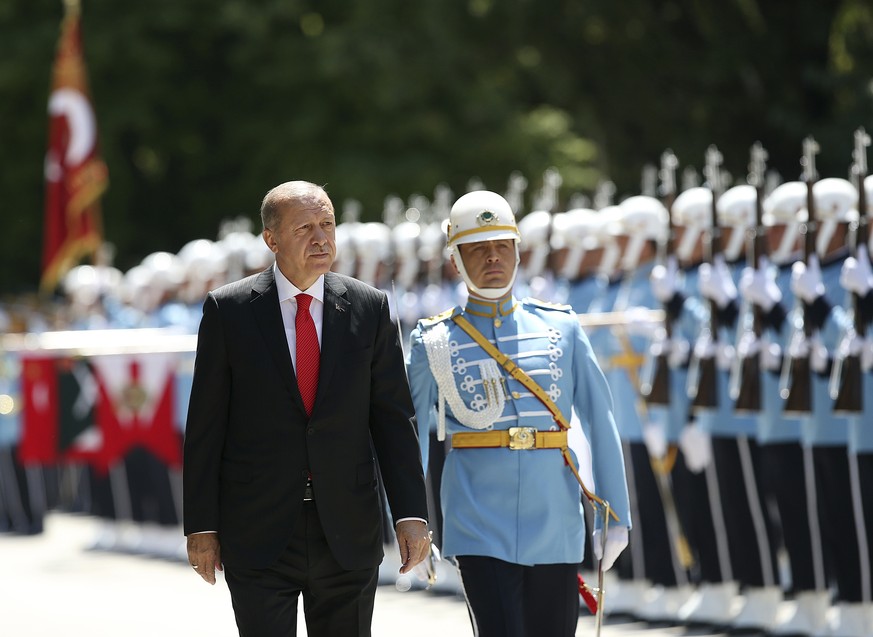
(774, 426)
(617, 345)
(522, 507)
(824, 428)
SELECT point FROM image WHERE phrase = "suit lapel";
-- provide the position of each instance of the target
(265, 306)
(335, 327)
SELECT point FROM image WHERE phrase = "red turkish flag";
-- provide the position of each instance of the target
(39, 390)
(75, 175)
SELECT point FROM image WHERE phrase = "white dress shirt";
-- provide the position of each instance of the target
(288, 305)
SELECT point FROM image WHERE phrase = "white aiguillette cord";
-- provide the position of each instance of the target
(519, 374)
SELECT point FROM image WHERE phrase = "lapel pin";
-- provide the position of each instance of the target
(339, 308)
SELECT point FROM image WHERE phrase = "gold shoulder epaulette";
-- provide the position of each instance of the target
(433, 320)
(548, 305)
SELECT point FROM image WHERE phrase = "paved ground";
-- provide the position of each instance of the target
(52, 584)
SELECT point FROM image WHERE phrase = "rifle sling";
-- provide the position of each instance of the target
(519, 374)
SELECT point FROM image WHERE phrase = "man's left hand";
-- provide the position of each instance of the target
(414, 541)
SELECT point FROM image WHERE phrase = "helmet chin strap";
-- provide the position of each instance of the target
(492, 294)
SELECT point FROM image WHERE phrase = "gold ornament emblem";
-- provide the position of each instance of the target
(487, 218)
(134, 396)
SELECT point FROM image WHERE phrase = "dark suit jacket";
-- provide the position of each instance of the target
(249, 443)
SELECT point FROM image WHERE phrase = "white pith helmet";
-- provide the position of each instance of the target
(836, 201)
(786, 206)
(405, 238)
(535, 228)
(641, 218)
(481, 215)
(346, 254)
(692, 210)
(168, 271)
(868, 191)
(736, 210)
(432, 242)
(576, 231)
(373, 243)
(606, 228)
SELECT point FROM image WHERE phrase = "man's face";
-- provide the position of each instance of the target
(489, 264)
(304, 240)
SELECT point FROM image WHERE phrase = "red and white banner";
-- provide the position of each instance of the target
(75, 175)
(97, 409)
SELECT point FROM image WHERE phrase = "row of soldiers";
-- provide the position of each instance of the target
(735, 510)
(748, 442)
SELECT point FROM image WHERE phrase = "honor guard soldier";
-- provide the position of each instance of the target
(675, 282)
(501, 377)
(784, 476)
(733, 433)
(815, 282)
(857, 278)
(655, 567)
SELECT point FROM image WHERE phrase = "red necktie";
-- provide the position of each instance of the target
(308, 353)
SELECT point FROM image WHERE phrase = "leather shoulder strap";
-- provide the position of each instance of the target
(519, 374)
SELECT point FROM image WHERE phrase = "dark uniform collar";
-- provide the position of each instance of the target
(489, 309)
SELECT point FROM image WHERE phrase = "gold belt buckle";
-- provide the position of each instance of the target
(522, 437)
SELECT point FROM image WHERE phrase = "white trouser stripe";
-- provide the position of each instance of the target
(724, 559)
(814, 529)
(638, 562)
(860, 527)
(756, 510)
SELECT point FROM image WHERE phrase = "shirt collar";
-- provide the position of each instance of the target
(499, 307)
(288, 290)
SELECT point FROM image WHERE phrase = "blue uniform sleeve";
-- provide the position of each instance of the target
(593, 402)
(424, 392)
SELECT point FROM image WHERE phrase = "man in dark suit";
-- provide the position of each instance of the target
(299, 387)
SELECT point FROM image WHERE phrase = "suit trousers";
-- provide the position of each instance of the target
(336, 602)
(511, 600)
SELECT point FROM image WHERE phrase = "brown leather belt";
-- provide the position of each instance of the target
(516, 438)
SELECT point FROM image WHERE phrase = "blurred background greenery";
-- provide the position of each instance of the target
(203, 105)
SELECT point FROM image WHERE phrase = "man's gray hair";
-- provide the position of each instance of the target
(291, 191)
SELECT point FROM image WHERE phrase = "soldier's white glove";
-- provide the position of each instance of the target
(818, 356)
(806, 281)
(655, 437)
(680, 348)
(760, 289)
(665, 280)
(716, 284)
(856, 275)
(771, 356)
(704, 346)
(696, 446)
(850, 345)
(616, 541)
(748, 345)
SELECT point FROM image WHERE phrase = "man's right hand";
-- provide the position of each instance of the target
(204, 554)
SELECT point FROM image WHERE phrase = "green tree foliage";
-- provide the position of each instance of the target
(202, 106)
